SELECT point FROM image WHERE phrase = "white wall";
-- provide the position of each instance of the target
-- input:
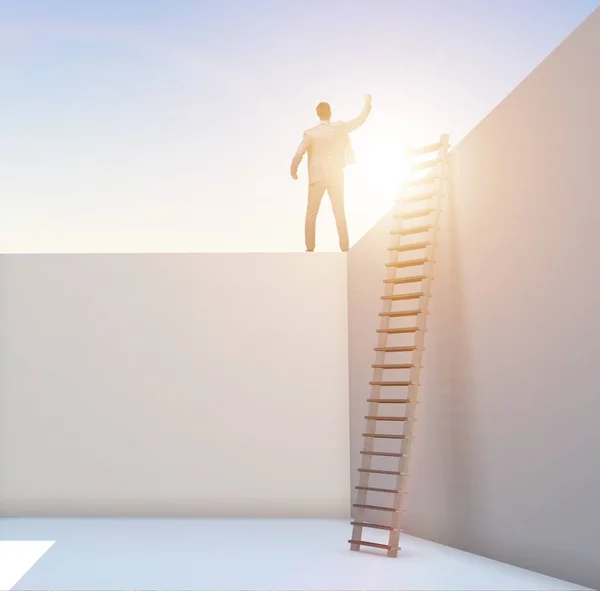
(505, 461)
(204, 385)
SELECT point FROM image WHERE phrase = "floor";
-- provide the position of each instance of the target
(222, 554)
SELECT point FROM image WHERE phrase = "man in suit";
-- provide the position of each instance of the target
(329, 150)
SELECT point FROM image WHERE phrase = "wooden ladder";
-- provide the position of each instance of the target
(411, 262)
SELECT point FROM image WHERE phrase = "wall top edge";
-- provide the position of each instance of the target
(171, 254)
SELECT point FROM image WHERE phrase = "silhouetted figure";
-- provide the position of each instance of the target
(329, 150)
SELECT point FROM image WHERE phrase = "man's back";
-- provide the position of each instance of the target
(328, 146)
(328, 150)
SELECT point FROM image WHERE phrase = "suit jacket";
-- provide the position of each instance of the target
(329, 148)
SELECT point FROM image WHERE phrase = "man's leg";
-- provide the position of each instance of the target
(315, 194)
(336, 195)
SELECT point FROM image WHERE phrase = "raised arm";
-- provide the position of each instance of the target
(356, 123)
(302, 149)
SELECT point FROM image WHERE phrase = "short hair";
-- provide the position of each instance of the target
(324, 111)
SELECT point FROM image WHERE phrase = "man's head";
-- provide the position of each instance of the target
(324, 111)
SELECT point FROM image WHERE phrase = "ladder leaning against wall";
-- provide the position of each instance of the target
(398, 355)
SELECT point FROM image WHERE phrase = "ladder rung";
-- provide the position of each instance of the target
(426, 164)
(383, 490)
(390, 400)
(377, 508)
(388, 472)
(397, 349)
(415, 230)
(383, 436)
(393, 366)
(386, 454)
(404, 264)
(407, 215)
(416, 198)
(406, 330)
(374, 525)
(396, 297)
(425, 180)
(370, 418)
(422, 150)
(400, 313)
(414, 246)
(401, 383)
(403, 280)
(373, 545)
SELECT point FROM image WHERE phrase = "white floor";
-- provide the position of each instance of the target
(220, 554)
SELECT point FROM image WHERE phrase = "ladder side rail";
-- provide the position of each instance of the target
(415, 374)
(439, 177)
(375, 394)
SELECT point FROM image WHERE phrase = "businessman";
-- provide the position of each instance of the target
(329, 150)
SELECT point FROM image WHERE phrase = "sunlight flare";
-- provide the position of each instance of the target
(381, 169)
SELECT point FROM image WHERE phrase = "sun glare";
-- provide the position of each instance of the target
(381, 169)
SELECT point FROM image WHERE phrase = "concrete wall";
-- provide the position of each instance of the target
(505, 462)
(203, 385)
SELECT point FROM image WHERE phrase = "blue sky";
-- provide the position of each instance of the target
(161, 126)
